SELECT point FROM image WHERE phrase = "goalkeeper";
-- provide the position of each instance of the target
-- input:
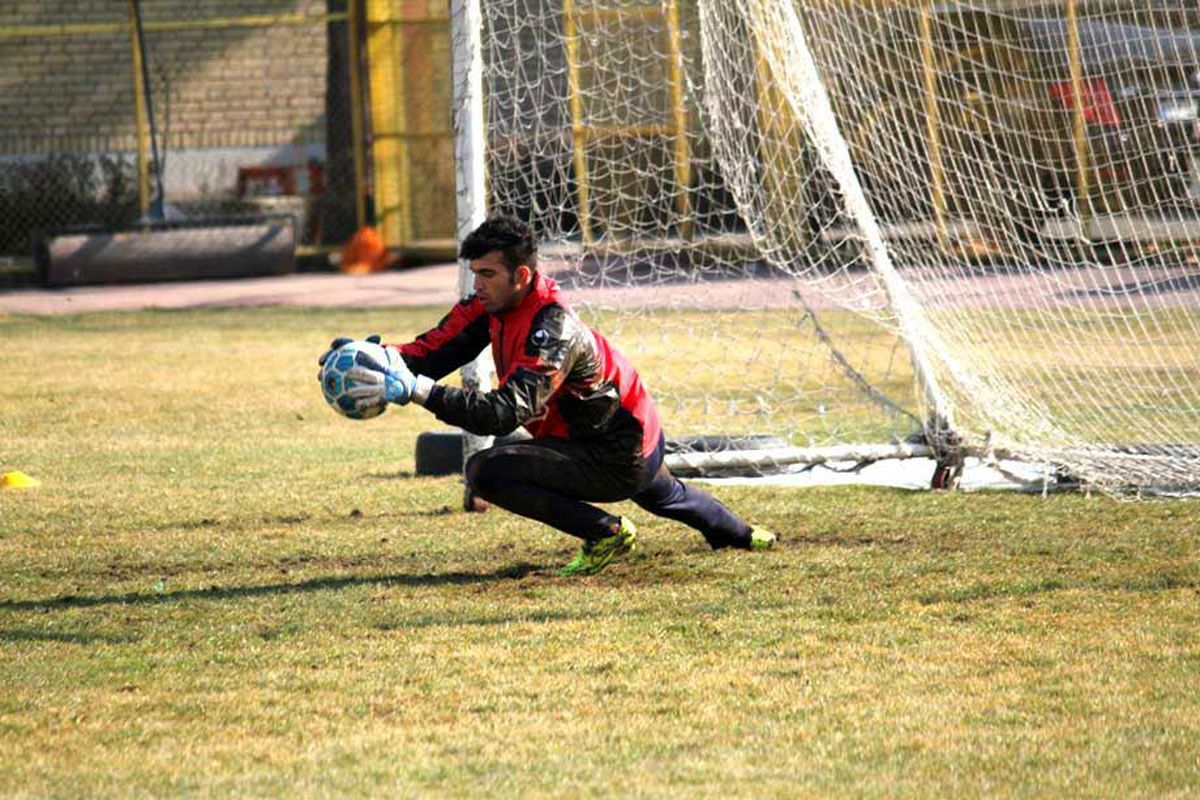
(596, 434)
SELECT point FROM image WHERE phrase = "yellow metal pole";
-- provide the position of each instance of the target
(933, 127)
(357, 109)
(578, 129)
(683, 160)
(141, 116)
(389, 141)
(404, 211)
(1079, 124)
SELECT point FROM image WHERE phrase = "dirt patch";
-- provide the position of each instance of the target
(434, 285)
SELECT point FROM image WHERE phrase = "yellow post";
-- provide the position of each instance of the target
(385, 53)
(578, 124)
(1079, 125)
(937, 175)
(683, 162)
(357, 141)
(141, 116)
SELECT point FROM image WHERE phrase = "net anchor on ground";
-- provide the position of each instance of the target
(948, 453)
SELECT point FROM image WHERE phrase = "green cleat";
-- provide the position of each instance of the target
(595, 556)
(761, 539)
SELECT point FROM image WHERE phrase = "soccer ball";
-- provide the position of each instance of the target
(335, 385)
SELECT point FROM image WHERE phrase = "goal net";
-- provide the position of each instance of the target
(843, 223)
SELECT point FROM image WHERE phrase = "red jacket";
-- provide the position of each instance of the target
(558, 377)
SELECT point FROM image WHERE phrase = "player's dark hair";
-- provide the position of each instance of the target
(504, 234)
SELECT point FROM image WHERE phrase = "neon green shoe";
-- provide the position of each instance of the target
(761, 539)
(595, 556)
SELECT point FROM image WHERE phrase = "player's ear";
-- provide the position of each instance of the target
(522, 276)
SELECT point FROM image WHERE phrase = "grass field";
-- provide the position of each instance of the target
(223, 589)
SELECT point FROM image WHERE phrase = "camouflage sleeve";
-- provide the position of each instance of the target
(541, 368)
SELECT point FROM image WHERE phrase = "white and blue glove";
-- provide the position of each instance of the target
(372, 382)
(376, 383)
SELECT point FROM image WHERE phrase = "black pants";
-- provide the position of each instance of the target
(554, 481)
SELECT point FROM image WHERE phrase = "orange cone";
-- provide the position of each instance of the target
(365, 252)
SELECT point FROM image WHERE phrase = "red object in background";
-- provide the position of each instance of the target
(279, 181)
(266, 181)
(316, 177)
(1097, 102)
(365, 252)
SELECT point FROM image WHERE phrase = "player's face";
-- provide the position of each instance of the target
(496, 287)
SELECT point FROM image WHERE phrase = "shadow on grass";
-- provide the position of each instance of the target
(990, 591)
(26, 635)
(839, 540)
(513, 572)
(528, 617)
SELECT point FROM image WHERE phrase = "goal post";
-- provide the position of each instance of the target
(781, 43)
(843, 223)
(469, 172)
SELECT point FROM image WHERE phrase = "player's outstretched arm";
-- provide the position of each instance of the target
(521, 398)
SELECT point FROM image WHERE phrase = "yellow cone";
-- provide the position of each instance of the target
(18, 480)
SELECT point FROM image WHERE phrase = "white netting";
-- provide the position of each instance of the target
(758, 198)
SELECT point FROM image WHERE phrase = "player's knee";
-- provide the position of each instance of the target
(483, 474)
(665, 492)
(472, 469)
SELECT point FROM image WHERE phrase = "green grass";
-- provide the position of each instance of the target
(223, 589)
(1122, 374)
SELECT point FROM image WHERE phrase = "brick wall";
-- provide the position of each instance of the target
(215, 85)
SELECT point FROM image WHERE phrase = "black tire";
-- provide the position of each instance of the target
(441, 452)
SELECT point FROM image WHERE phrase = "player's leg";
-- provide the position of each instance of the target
(661, 493)
(666, 496)
(552, 481)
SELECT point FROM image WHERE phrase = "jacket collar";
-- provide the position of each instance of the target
(544, 290)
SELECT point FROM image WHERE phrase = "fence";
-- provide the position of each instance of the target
(338, 111)
(250, 108)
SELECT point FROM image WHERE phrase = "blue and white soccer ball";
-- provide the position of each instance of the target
(336, 386)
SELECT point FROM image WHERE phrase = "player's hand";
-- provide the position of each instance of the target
(378, 383)
(340, 341)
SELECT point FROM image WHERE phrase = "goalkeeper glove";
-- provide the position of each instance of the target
(376, 383)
